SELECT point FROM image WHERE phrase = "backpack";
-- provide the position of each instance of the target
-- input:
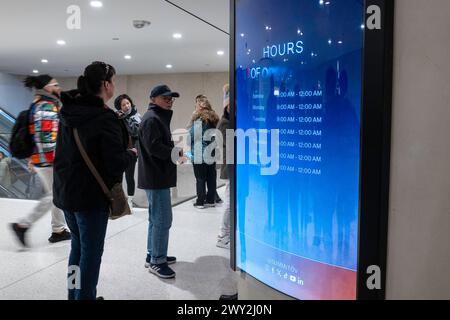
(21, 144)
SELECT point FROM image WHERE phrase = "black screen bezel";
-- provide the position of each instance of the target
(374, 150)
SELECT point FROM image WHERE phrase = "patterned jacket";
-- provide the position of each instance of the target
(43, 126)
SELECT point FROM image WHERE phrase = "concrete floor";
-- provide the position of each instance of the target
(39, 273)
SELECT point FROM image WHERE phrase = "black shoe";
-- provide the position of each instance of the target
(162, 270)
(100, 298)
(199, 205)
(218, 200)
(170, 260)
(229, 297)
(19, 232)
(210, 205)
(57, 237)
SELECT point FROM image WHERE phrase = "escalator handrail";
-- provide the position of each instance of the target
(12, 194)
(9, 115)
(4, 145)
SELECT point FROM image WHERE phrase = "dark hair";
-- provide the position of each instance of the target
(94, 75)
(37, 82)
(119, 99)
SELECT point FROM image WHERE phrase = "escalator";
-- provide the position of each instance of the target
(21, 183)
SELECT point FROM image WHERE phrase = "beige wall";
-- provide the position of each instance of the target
(189, 85)
(419, 215)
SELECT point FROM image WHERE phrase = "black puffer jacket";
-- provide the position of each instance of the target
(105, 139)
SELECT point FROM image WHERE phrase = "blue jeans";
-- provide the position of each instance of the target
(160, 221)
(88, 237)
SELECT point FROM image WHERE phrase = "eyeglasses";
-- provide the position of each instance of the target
(167, 99)
(52, 85)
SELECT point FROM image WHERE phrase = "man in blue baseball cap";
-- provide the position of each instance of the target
(157, 174)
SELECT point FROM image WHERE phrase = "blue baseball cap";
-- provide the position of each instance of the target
(163, 90)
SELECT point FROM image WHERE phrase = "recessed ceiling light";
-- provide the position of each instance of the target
(177, 36)
(169, 66)
(35, 71)
(44, 61)
(96, 4)
(128, 57)
(115, 39)
(61, 42)
(220, 53)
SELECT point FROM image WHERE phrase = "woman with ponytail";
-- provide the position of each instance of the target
(77, 192)
(43, 128)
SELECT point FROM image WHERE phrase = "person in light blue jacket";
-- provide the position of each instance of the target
(204, 170)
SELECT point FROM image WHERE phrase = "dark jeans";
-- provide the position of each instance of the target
(88, 237)
(129, 176)
(206, 174)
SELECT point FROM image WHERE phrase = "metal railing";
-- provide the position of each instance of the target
(22, 184)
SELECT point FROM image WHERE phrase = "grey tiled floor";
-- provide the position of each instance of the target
(40, 272)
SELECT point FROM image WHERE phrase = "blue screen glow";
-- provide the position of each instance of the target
(299, 70)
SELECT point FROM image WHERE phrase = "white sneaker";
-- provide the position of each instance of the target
(223, 242)
(130, 202)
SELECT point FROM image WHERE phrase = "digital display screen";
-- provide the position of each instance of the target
(298, 83)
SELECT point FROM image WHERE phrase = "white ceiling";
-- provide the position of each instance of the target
(29, 30)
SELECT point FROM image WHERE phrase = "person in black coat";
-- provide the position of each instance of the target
(157, 173)
(76, 191)
(127, 111)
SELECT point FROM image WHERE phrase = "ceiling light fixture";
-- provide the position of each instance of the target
(220, 53)
(127, 57)
(44, 61)
(169, 66)
(96, 4)
(177, 35)
(61, 42)
(35, 71)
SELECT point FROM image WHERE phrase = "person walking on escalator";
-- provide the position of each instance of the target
(43, 128)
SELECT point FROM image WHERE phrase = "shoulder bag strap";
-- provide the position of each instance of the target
(90, 164)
